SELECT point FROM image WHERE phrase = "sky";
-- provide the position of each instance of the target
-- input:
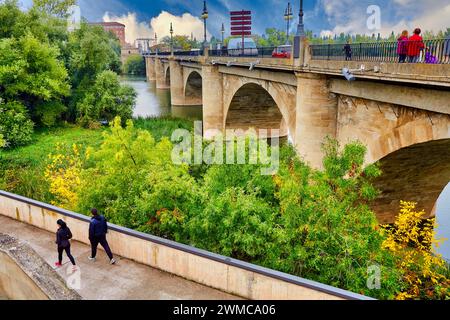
(144, 18)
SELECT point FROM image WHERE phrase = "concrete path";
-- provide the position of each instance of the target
(102, 281)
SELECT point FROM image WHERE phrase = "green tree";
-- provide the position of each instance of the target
(32, 74)
(106, 99)
(134, 65)
(15, 126)
(58, 8)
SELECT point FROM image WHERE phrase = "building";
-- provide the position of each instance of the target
(115, 27)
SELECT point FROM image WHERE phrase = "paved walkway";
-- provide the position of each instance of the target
(101, 281)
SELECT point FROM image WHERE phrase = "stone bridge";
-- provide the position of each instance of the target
(400, 112)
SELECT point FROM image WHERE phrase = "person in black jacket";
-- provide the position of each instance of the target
(98, 228)
(63, 236)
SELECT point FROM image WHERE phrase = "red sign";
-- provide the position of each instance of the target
(241, 23)
(246, 33)
(241, 29)
(240, 13)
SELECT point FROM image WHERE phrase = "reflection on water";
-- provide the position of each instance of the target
(152, 102)
(443, 221)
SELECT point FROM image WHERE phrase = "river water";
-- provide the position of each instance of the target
(156, 103)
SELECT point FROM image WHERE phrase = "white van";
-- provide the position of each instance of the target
(235, 47)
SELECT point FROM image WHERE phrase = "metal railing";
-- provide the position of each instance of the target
(261, 52)
(426, 51)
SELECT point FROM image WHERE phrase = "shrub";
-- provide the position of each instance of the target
(107, 99)
(15, 126)
(135, 65)
(412, 240)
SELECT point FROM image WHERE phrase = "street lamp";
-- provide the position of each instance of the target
(300, 32)
(223, 34)
(288, 16)
(171, 38)
(301, 25)
(204, 17)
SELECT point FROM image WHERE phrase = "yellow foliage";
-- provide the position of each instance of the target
(63, 173)
(413, 240)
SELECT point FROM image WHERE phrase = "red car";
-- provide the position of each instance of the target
(283, 52)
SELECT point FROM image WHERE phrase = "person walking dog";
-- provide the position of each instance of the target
(98, 228)
(63, 236)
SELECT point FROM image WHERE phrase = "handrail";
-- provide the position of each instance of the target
(199, 252)
(436, 51)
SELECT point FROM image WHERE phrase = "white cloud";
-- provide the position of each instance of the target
(350, 16)
(182, 25)
(133, 28)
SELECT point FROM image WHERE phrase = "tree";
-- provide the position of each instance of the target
(57, 8)
(32, 74)
(106, 99)
(15, 127)
(135, 65)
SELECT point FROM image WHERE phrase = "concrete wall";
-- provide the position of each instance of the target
(24, 275)
(15, 283)
(229, 275)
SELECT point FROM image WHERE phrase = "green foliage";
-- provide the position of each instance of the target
(106, 99)
(135, 183)
(15, 127)
(31, 74)
(135, 65)
(54, 7)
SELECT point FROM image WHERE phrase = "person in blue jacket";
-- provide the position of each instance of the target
(98, 228)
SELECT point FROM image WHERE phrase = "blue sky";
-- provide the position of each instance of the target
(321, 16)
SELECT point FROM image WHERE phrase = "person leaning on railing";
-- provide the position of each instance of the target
(415, 46)
(402, 48)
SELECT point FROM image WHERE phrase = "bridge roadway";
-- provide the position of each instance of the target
(127, 280)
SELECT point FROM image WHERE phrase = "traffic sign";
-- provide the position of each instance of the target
(246, 33)
(241, 23)
(240, 13)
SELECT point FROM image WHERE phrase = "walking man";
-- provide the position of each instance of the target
(98, 228)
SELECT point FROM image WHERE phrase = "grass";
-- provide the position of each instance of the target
(22, 169)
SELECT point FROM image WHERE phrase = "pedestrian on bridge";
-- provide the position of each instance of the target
(63, 236)
(98, 228)
(402, 48)
(415, 46)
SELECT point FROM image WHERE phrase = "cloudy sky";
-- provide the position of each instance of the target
(145, 17)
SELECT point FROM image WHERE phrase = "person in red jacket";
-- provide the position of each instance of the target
(415, 46)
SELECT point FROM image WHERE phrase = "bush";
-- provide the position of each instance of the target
(106, 100)
(15, 127)
(135, 65)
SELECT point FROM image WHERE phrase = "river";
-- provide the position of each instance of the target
(156, 103)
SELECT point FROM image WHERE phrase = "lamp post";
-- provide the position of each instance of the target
(288, 17)
(204, 17)
(300, 36)
(301, 25)
(223, 34)
(171, 39)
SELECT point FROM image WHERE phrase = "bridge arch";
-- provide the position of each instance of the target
(417, 173)
(167, 76)
(259, 104)
(193, 88)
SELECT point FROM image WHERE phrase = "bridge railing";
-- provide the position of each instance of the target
(427, 51)
(260, 52)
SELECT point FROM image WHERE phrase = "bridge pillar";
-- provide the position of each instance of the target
(160, 75)
(213, 112)
(176, 83)
(150, 68)
(316, 116)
